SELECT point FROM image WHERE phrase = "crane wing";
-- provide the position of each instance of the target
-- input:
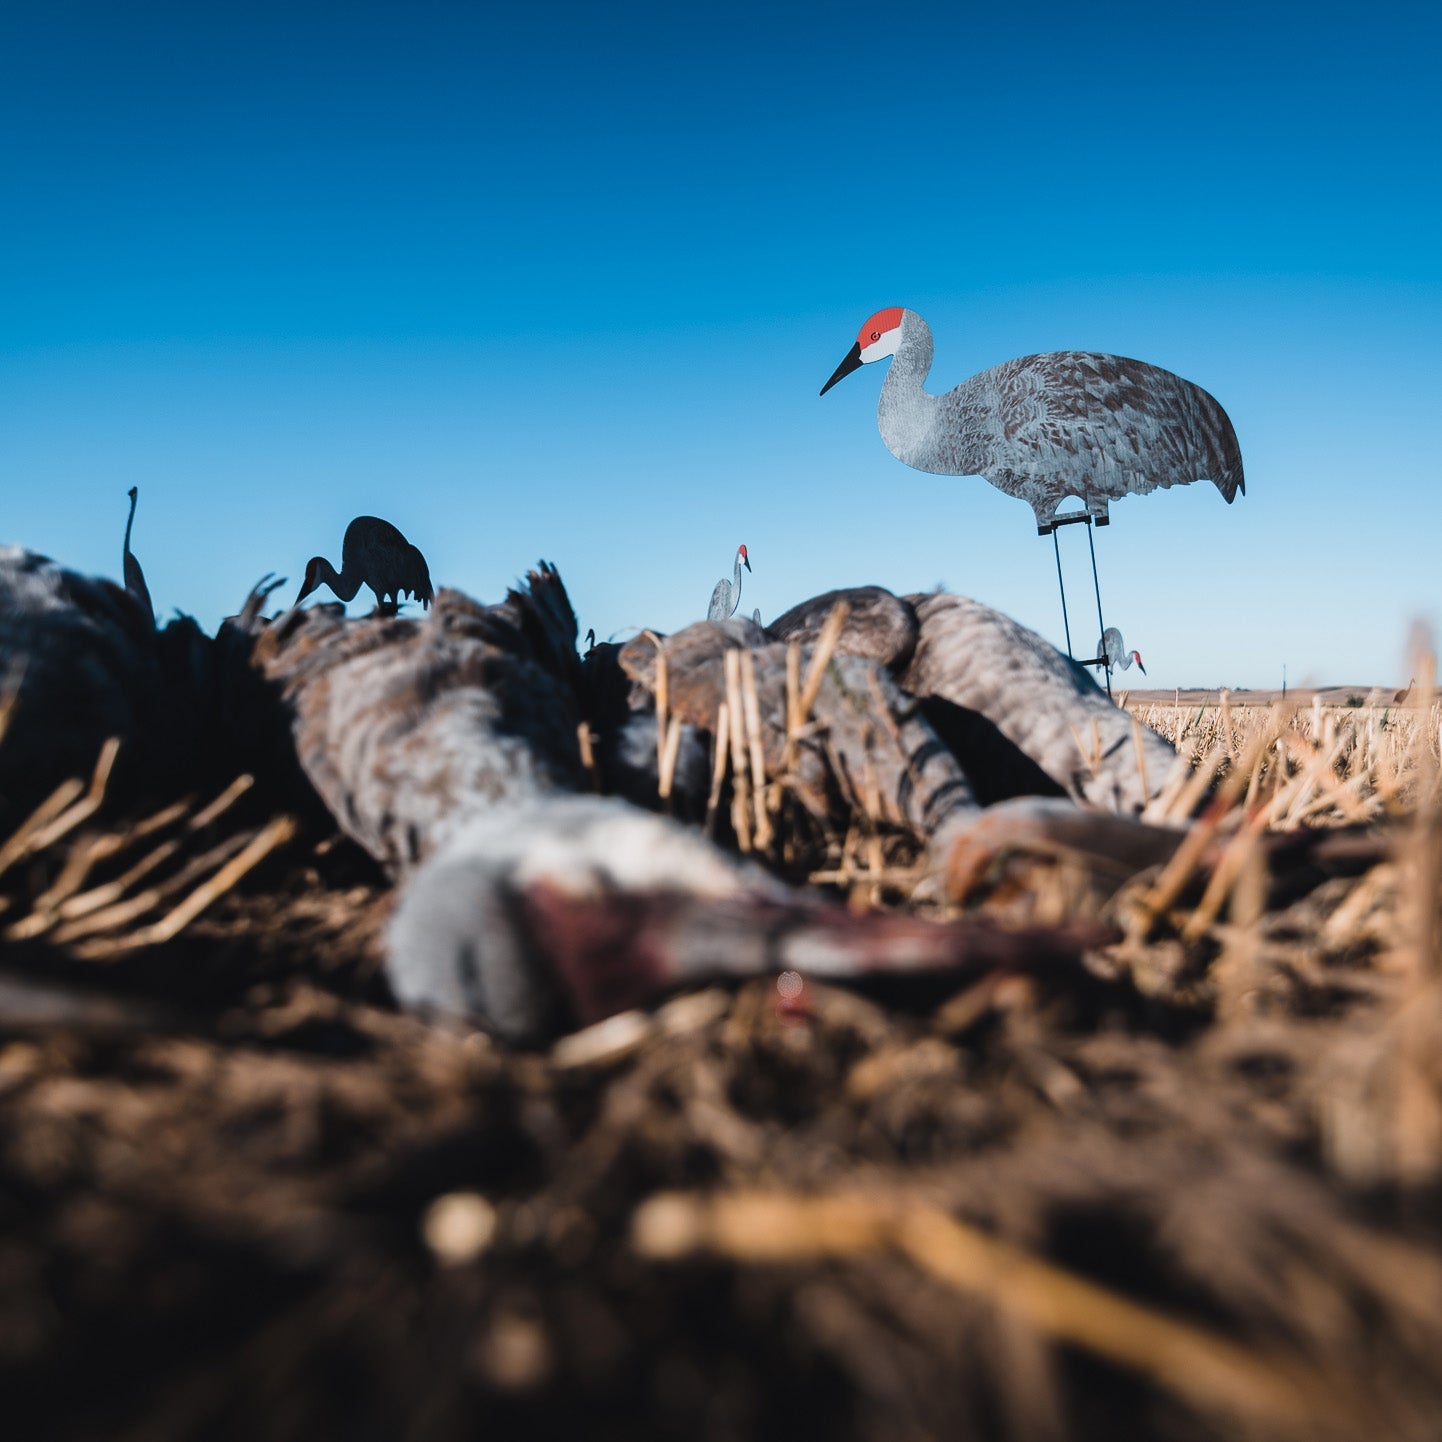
(721, 604)
(878, 624)
(1082, 423)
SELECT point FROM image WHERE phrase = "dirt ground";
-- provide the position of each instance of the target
(1186, 1190)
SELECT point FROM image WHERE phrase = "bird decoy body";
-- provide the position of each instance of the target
(1113, 654)
(1046, 427)
(878, 624)
(1044, 703)
(727, 595)
(564, 909)
(134, 576)
(373, 553)
(447, 747)
(881, 759)
(1022, 718)
(85, 663)
(406, 728)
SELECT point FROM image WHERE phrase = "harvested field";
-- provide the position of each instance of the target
(1186, 1190)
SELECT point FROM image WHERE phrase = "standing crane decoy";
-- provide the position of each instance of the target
(1045, 427)
(727, 595)
(134, 576)
(373, 553)
(1113, 654)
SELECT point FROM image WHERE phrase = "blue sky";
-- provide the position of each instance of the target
(564, 281)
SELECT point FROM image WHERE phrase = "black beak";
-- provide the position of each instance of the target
(851, 363)
(746, 561)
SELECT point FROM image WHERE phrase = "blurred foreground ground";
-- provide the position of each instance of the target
(1188, 1190)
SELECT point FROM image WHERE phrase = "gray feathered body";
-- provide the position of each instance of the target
(1064, 423)
(1042, 702)
(408, 728)
(90, 665)
(1021, 718)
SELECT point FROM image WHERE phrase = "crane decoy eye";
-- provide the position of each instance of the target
(876, 335)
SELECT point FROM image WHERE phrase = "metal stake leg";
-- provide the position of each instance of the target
(1061, 585)
(1097, 586)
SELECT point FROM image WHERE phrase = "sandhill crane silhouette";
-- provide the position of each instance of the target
(134, 576)
(727, 595)
(375, 554)
(1045, 427)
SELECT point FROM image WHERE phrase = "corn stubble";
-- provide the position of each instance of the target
(1190, 1192)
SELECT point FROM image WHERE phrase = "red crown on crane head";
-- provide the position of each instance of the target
(878, 325)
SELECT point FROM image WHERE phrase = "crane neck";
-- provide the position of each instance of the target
(736, 585)
(907, 414)
(344, 585)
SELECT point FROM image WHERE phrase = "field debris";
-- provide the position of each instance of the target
(1184, 1189)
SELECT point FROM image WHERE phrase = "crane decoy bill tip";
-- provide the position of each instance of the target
(852, 362)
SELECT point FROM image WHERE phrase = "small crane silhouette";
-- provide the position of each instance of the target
(375, 554)
(134, 576)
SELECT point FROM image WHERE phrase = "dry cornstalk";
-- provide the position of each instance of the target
(821, 659)
(1212, 1372)
(663, 693)
(273, 835)
(793, 704)
(667, 773)
(751, 712)
(221, 804)
(718, 766)
(588, 754)
(740, 797)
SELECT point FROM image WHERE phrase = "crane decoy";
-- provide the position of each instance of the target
(373, 553)
(1113, 654)
(881, 759)
(1022, 718)
(1045, 427)
(134, 576)
(727, 595)
(84, 666)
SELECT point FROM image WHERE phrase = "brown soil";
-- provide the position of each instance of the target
(242, 1197)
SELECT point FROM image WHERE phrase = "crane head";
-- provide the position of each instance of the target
(745, 559)
(312, 579)
(1137, 657)
(877, 339)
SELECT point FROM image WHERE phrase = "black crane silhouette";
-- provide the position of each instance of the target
(375, 554)
(134, 576)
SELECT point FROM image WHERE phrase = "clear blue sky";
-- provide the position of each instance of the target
(564, 281)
